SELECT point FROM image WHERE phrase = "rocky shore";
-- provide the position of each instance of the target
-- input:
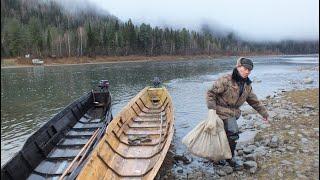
(285, 148)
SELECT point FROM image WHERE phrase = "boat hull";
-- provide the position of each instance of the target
(50, 150)
(136, 141)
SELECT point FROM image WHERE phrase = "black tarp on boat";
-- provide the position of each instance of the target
(61, 146)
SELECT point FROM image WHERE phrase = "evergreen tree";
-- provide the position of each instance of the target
(49, 41)
(90, 40)
(45, 28)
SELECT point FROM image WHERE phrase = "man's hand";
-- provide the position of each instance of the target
(265, 119)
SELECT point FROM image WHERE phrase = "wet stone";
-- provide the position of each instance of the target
(310, 107)
(250, 164)
(286, 162)
(182, 158)
(250, 157)
(249, 149)
(227, 169)
(275, 139)
(180, 170)
(220, 172)
(239, 146)
(271, 172)
(274, 142)
(263, 126)
(260, 151)
(300, 176)
(308, 80)
(298, 162)
(240, 153)
(253, 170)
(305, 150)
(287, 126)
(265, 142)
(240, 172)
(304, 140)
(291, 133)
(281, 150)
(290, 148)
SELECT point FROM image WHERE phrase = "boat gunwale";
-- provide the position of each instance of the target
(152, 168)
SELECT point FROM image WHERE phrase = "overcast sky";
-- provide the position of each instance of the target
(251, 19)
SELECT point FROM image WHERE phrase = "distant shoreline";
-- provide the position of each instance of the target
(16, 63)
(71, 61)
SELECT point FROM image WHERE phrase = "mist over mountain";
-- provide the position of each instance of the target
(81, 28)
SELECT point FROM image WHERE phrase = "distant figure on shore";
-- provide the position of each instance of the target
(226, 96)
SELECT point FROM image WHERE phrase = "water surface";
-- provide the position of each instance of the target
(31, 96)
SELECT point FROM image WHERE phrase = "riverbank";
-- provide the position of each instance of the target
(285, 148)
(24, 62)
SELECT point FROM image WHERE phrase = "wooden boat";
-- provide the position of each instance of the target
(62, 145)
(136, 141)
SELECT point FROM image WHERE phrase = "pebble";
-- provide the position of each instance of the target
(265, 142)
(227, 169)
(271, 171)
(291, 133)
(250, 164)
(263, 126)
(310, 107)
(275, 139)
(306, 115)
(281, 149)
(290, 148)
(249, 149)
(240, 153)
(274, 142)
(298, 162)
(287, 126)
(305, 150)
(301, 176)
(286, 162)
(308, 80)
(260, 151)
(220, 172)
(250, 157)
(304, 140)
(253, 170)
(180, 170)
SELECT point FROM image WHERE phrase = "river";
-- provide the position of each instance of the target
(31, 96)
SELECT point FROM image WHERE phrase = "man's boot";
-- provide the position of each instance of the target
(237, 165)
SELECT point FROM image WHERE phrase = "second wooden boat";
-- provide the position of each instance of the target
(136, 141)
(61, 146)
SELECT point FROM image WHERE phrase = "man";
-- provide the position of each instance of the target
(226, 96)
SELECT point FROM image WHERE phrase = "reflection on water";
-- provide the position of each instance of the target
(31, 96)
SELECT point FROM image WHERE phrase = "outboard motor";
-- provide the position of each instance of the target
(101, 94)
(103, 84)
(156, 82)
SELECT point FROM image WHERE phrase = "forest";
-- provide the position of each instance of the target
(46, 29)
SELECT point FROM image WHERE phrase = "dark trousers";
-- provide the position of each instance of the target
(232, 137)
